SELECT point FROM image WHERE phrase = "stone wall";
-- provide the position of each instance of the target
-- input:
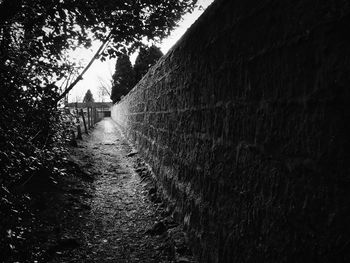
(246, 125)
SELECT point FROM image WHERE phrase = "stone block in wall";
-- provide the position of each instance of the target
(245, 123)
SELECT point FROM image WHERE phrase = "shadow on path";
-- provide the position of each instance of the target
(118, 222)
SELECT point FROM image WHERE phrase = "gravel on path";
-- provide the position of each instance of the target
(116, 221)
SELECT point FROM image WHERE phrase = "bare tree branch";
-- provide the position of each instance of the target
(107, 87)
(97, 54)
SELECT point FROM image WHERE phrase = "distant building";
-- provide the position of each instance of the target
(103, 109)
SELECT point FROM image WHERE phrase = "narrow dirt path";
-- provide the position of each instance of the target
(118, 222)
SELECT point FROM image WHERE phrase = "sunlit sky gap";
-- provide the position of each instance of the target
(102, 71)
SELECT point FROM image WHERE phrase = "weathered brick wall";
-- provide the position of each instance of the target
(246, 125)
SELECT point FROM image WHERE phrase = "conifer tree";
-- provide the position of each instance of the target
(123, 78)
(147, 58)
(88, 97)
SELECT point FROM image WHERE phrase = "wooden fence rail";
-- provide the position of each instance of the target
(86, 118)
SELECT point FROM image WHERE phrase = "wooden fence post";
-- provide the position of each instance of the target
(91, 118)
(79, 137)
(95, 116)
(82, 114)
(88, 115)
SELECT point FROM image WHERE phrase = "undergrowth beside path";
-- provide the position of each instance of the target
(101, 210)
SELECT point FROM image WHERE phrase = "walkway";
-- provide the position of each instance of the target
(118, 223)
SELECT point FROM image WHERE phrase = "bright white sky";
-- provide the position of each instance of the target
(104, 70)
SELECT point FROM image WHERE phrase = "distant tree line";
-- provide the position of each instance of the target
(126, 76)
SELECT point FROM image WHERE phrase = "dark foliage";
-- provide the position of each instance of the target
(147, 58)
(34, 38)
(69, 22)
(123, 78)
